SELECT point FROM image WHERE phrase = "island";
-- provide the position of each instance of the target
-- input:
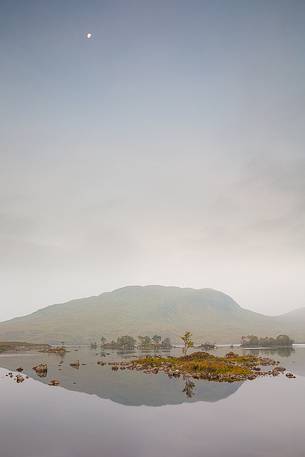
(202, 365)
(253, 341)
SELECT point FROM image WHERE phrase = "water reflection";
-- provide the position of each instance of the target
(264, 418)
(94, 375)
(189, 388)
(271, 352)
(125, 387)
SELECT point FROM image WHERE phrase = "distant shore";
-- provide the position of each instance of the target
(19, 346)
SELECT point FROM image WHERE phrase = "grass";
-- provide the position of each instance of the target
(208, 366)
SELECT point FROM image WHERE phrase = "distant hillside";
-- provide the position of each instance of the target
(209, 314)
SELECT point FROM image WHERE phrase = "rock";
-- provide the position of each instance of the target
(19, 378)
(115, 368)
(251, 377)
(41, 370)
(54, 382)
(20, 370)
(56, 350)
(231, 355)
(290, 375)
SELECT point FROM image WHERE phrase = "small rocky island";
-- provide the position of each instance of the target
(202, 365)
(17, 346)
(253, 341)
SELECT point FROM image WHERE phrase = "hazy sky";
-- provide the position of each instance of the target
(168, 149)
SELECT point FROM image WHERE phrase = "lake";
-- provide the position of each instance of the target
(97, 412)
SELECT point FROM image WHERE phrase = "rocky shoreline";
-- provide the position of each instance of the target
(202, 365)
(198, 365)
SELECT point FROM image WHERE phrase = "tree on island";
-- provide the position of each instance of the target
(103, 340)
(145, 341)
(187, 340)
(254, 341)
(156, 339)
(166, 343)
(126, 342)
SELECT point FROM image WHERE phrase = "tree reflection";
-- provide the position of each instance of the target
(189, 388)
(282, 352)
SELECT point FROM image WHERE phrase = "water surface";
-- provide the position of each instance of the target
(97, 412)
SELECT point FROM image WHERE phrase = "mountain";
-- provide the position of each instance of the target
(294, 322)
(135, 310)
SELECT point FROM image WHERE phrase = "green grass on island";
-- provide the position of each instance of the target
(202, 365)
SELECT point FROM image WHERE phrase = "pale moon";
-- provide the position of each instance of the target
(88, 35)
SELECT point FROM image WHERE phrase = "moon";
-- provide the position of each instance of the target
(88, 35)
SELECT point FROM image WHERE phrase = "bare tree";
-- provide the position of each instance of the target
(187, 340)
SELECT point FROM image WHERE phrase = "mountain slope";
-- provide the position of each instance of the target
(294, 323)
(135, 310)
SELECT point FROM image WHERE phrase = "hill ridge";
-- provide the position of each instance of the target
(167, 310)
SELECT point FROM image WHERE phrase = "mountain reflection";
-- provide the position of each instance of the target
(124, 387)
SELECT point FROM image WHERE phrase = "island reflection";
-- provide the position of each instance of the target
(126, 388)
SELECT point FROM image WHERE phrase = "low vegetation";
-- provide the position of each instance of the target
(55, 350)
(202, 365)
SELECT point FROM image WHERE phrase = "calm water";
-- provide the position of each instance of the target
(100, 413)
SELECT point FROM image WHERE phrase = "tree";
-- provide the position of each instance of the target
(284, 340)
(126, 342)
(250, 341)
(145, 341)
(103, 341)
(156, 339)
(189, 388)
(166, 343)
(187, 340)
(141, 339)
(254, 341)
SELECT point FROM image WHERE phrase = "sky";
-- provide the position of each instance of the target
(167, 149)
